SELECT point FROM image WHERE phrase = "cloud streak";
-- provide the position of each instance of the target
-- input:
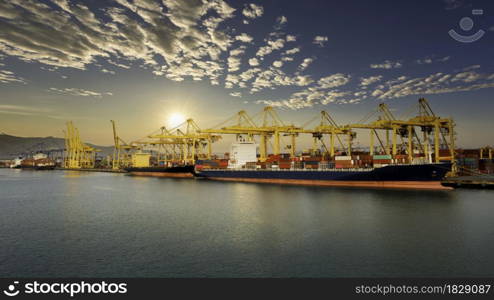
(320, 40)
(387, 64)
(80, 92)
(7, 76)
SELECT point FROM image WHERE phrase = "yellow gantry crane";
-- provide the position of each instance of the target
(328, 126)
(387, 122)
(486, 150)
(180, 145)
(273, 126)
(187, 142)
(244, 126)
(122, 156)
(77, 154)
(168, 150)
(190, 141)
(441, 129)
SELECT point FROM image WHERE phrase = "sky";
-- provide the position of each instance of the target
(152, 63)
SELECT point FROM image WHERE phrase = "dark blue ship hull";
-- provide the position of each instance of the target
(399, 176)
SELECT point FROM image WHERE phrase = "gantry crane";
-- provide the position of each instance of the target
(486, 150)
(168, 150)
(442, 128)
(327, 125)
(121, 152)
(385, 121)
(272, 126)
(78, 155)
(244, 126)
(191, 141)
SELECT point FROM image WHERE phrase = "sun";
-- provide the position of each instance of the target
(175, 119)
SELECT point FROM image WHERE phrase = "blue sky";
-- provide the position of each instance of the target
(140, 62)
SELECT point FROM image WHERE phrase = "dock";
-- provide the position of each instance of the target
(471, 182)
(93, 170)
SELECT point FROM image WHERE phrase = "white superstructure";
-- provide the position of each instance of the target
(241, 153)
(17, 162)
(39, 156)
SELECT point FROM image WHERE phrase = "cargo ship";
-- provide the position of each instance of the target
(382, 171)
(142, 166)
(184, 171)
(16, 164)
(39, 161)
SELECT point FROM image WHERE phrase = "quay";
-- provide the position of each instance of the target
(472, 182)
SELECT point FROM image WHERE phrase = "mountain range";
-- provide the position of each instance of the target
(14, 146)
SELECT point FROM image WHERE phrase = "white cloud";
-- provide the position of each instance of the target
(249, 74)
(233, 63)
(253, 62)
(108, 71)
(244, 37)
(320, 40)
(278, 63)
(188, 40)
(274, 77)
(292, 51)
(238, 51)
(437, 83)
(430, 60)
(173, 34)
(236, 94)
(326, 89)
(387, 65)
(270, 47)
(305, 63)
(333, 96)
(231, 80)
(469, 76)
(291, 38)
(117, 64)
(281, 20)
(333, 81)
(424, 61)
(322, 92)
(370, 80)
(253, 11)
(233, 60)
(303, 80)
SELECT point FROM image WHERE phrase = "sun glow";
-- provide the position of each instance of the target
(175, 119)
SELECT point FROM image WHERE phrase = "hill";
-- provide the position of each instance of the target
(12, 146)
